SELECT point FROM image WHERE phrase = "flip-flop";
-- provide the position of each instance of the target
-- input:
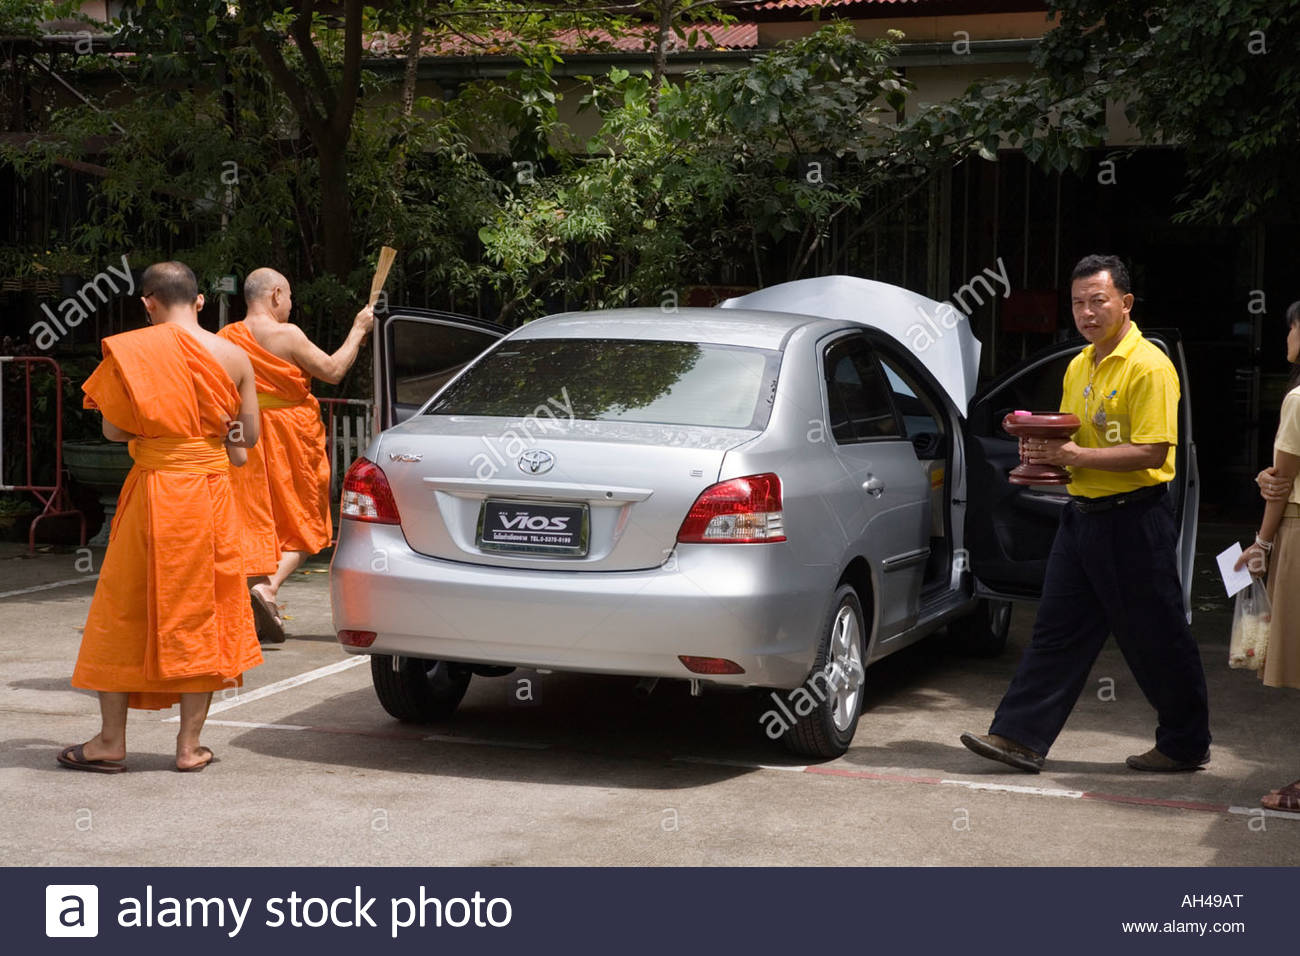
(266, 619)
(202, 766)
(1288, 801)
(75, 757)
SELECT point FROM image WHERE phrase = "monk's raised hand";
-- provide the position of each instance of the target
(365, 320)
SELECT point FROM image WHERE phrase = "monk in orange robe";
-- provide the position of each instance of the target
(283, 494)
(170, 620)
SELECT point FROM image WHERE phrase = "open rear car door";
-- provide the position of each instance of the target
(417, 352)
(1010, 528)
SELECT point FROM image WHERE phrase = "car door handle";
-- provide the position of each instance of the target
(873, 486)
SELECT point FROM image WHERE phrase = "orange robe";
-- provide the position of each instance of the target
(293, 474)
(170, 613)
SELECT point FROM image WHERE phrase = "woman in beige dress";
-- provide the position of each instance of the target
(1277, 548)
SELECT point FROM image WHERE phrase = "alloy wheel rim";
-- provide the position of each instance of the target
(846, 676)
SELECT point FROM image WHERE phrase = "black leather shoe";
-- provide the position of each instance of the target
(1153, 761)
(1005, 750)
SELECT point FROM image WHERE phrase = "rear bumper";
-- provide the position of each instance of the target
(751, 604)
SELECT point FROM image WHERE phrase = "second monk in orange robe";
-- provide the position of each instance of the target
(170, 620)
(283, 494)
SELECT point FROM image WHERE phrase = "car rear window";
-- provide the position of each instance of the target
(673, 383)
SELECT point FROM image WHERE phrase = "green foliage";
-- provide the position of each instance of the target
(723, 168)
(1220, 78)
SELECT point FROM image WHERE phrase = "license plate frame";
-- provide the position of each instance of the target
(571, 541)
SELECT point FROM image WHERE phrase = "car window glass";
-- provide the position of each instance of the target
(425, 356)
(1038, 390)
(918, 413)
(629, 380)
(857, 393)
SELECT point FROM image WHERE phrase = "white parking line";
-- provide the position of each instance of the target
(286, 684)
(720, 761)
(439, 738)
(53, 584)
(1258, 811)
(1014, 788)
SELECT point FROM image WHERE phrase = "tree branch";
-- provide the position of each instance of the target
(340, 120)
(302, 36)
(274, 62)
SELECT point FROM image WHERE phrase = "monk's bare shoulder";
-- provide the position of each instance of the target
(281, 339)
(231, 356)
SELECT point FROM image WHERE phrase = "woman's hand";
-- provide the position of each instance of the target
(1272, 486)
(1255, 558)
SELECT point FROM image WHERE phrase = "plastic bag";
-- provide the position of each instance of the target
(1251, 620)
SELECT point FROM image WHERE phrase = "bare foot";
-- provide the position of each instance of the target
(195, 759)
(96, 749)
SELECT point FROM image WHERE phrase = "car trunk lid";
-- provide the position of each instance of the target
(556, 495)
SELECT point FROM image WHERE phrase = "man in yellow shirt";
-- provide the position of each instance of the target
(1113, 566)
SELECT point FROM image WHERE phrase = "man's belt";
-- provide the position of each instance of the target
(1107, 502)
(268, 400)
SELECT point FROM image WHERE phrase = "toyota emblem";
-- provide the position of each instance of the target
(536, 462)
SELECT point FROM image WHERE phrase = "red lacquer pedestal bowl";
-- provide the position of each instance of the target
(1039, 425)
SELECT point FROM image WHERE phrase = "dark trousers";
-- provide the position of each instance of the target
(1111, 572)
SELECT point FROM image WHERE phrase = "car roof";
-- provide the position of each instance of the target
(740, 327)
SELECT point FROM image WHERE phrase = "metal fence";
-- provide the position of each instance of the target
(53, 497)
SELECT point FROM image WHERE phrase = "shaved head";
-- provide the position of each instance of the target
(261, 283)
(170, 283)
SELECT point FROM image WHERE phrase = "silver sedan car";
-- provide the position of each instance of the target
(773, 494)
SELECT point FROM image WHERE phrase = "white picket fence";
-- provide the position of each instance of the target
(348, 429)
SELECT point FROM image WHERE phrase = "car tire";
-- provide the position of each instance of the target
(418, 691)
(983, 632)
(827, 729)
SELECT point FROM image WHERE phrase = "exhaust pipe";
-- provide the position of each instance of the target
(645, 686)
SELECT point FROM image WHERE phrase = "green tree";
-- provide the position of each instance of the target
(720, 169)
(1218, 78)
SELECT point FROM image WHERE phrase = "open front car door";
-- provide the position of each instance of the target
(417, 352)
(1010, 528)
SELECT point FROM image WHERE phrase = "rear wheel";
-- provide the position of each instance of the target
(983, 633)
(418, 691)
(826, 706)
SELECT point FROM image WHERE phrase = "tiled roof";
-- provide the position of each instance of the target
(739, 36)
(894, 7)
(779, 4)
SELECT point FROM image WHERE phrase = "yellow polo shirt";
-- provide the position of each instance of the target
(1288, 433)
(1132, 396)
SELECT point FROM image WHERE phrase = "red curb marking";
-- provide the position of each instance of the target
(1156, 802)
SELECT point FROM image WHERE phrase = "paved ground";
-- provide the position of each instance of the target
(315, 773)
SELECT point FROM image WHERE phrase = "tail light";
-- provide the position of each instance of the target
(740, 511)
(357, 638)
(366, 495)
